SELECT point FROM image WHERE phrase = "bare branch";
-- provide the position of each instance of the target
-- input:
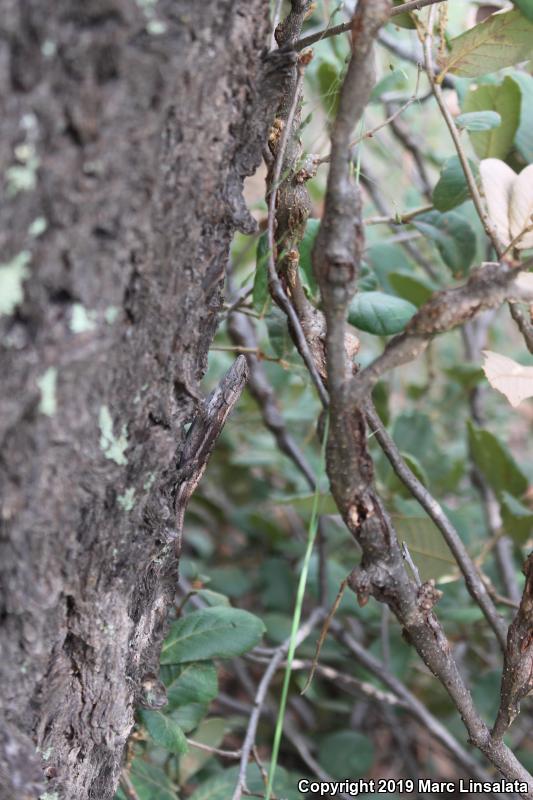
(473, 579)
(412, 703)
(525, 326)
(488, 287)
(517, 679)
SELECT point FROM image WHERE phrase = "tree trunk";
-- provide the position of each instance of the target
(122, 133)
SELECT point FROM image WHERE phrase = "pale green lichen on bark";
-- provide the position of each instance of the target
(47, 384)
(114, 447)
(111, 314)
(147, 485)
(37, 227)
(127, 500)
(12, 275)
(81, 319)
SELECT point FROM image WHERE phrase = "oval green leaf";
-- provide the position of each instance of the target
(164, 731)
(501, 40)
(478, 120)
(428, 549)
(452, 188)
(346, 752)
(380, 313)
(505, 100)
(216, 632)
(453, 236)
(150, 782)
(495, 462)
(411, 288)
(195, 682)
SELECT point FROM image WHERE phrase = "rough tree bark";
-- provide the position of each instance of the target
(130, 126)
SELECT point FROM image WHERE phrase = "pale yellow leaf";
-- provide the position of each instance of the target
(508, 377)
(497, 180)
(521, 208)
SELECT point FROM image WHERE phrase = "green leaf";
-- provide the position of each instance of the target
(524, 134)
(387, 258)
(428, 549)
(278, 333)
(380, 313)
(346, 752)
(188, 717)
(395, 485)
(221, 786)
(526, 7)
(192, 683)
(468, 375)
(499, 41)
(453, 236)
(495, 462)
(303, 503)
(164, 731)
(486, 693)
(452, 188)
(478, 120)
(306, 247)
(217, 632)
(213, 598)
(150, 782)
(414, 433)
(394, 81)
(277, 580)
(411, 288)
(260, 294)
(505, 99)
(367, 280)
(517, 518)
(211, 733)
(329, 83)
(231, 580)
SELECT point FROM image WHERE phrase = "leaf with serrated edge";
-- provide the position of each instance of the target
(521, 208)
(508, 377)
(497, 180)
(501, 40)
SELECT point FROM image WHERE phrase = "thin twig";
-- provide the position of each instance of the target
(260, 697)
(345, 27)
(413, 705)
(434, 510)
(488, 287)
(399, 219)
(372, 132)
(216, 751)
